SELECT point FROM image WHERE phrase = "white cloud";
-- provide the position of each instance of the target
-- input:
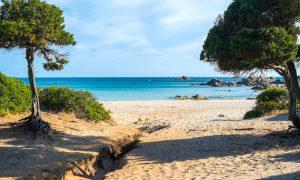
(187, 13)
(109, 31)
(193, 46)
(128, 3)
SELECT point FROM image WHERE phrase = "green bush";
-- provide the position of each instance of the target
(271, 99)
(82, 103)
(277, 95)
(254, 113)
(15, 96)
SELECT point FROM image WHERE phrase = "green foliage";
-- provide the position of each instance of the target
(277, 95)
(36, 25)
(15, 96)
(82, 103)
(254, 113)
(263, 48)
(252, 36)
(271, 99)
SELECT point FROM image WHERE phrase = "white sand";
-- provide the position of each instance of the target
(206, 140)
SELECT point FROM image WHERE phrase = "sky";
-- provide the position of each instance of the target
(130, 38)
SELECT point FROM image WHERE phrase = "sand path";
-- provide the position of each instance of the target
(206, 140)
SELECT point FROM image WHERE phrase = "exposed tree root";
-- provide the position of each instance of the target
(291, 129)
(37, 124)
(296, 122)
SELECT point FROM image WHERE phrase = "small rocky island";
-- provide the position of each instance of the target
(196, 97)
(184, 78)
(215, 82)
(257, 83)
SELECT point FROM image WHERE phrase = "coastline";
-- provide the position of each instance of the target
(148, 88)
(174, 100)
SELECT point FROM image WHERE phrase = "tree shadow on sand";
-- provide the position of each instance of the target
(293, 157)
(290, 157)
(280, 117)
(22, 153)
(210, 146)
(290, 176)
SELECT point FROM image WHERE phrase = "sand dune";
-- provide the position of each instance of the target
(206, 140)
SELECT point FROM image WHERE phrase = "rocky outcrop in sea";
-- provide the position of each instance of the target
(215, 82)
(184, 78)
(257, 83)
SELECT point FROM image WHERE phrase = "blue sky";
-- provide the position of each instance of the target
(130, 38)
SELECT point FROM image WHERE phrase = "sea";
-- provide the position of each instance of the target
(148, 88)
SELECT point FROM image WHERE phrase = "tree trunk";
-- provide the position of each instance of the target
(293, 108)
(291, 87)
(294, 77)
(35, 99)
(35, 121)
(294, 93)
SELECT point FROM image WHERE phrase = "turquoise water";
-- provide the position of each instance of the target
(111, 89)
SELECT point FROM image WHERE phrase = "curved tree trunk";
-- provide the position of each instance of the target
(294, 77)
(290, 76)
(293, 107)
(35, 121)
(35, 99)
(294, 93)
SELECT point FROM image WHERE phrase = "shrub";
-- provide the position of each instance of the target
(82, 103)
(271, 99)
(278, 95)
(15, 96)
(254, 113)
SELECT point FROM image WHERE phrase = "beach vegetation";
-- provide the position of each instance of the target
(270, 100)
(36, 27)
(15, 96)
(82, 103)
(252, 37)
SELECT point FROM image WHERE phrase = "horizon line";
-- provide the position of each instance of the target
(144, 77)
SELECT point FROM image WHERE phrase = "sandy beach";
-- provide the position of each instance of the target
(205, 140)
(150, 90)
